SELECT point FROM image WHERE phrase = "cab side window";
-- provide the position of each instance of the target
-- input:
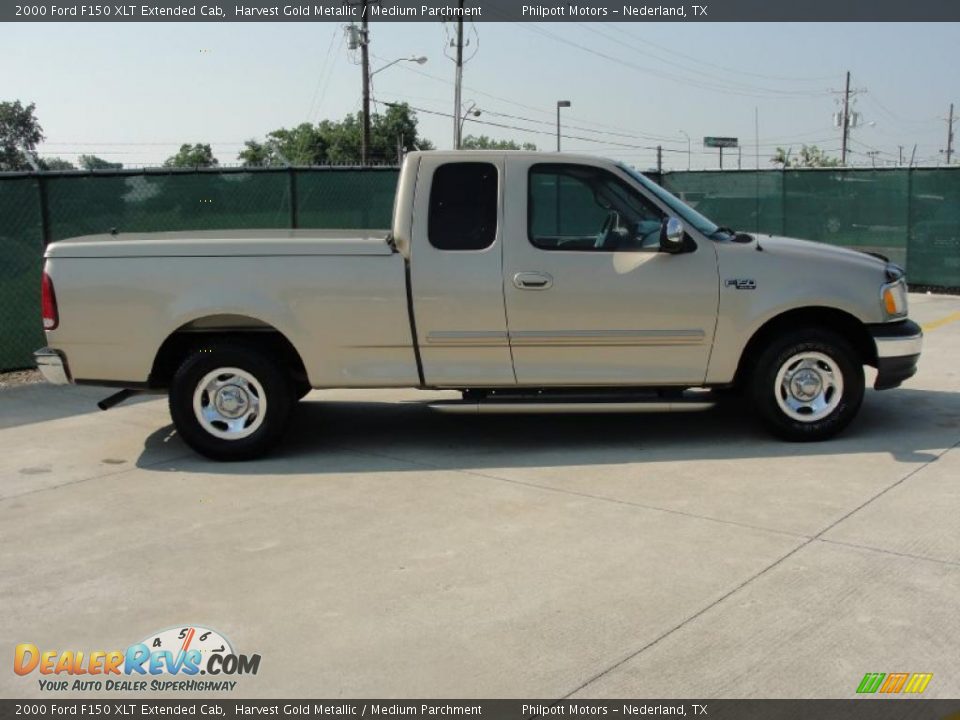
(463, 206)
(579, 207)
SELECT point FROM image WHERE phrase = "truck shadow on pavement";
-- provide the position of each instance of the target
(345, 437)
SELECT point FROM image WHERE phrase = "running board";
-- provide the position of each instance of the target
(492, 407)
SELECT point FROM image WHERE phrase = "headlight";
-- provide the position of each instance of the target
(894, 298)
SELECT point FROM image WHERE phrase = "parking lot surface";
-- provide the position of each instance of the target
(388, 551)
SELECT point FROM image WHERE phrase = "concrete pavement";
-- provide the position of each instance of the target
(389, 551)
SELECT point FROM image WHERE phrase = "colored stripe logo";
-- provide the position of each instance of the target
(894, 683)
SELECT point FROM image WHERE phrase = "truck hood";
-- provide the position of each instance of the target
(224, 243)
(794, 248)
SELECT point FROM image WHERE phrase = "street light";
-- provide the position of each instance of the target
(560, 104)
(471, 110)
(688, 149)
(418, 60)
(367, 81)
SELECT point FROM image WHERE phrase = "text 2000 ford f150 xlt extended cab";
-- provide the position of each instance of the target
(532, 282)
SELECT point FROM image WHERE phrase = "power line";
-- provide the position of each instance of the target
(613, 131)
(636, 136)
(323, 69)
(715, 87)
(507, 101)
(893, 116)
(663, 48)
(540, 132)
(723, 80)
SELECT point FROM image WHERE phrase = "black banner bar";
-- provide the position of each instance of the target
(483, 11)
(873, 708)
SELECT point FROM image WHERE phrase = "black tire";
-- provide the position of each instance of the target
(300, 389)
(827, 355)
(256, 370)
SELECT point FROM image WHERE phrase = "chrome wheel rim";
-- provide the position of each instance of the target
(809, 386)
(229, 403)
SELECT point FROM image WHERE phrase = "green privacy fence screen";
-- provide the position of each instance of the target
(21, 240)
(913, 216)
(910, 215)
(35, 208)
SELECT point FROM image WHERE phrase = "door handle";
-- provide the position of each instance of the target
(532, 280)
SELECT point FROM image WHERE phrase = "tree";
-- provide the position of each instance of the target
(482, 142)
(781, 158)
(192, 156)
(338, 142)
(302, 145)
(395, 129)
(809, 157)
(257, 154)
(92, 162)
(56, 163)
(20, 132)
(813, 157)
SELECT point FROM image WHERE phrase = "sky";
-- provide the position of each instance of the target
(133, 93)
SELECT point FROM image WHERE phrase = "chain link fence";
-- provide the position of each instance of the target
(37, 209)
(912, 216)
(21, 243)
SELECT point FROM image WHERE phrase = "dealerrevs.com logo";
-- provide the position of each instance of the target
(169, 660)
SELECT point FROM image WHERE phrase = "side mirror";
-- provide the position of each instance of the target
(672, 236)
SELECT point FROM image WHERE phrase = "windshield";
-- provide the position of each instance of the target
(683, 211)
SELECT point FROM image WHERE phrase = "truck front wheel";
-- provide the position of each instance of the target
(229, 402)
(808, 385)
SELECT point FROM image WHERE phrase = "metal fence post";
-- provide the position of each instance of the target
(45, 232)
(907, 224)
(366, 206)
(756, 192)
(783, 201)
(294, 212)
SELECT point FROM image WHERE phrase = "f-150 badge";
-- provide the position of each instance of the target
(742, 283)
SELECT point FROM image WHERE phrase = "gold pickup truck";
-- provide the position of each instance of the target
(531, 282)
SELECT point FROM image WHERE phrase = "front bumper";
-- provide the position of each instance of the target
(52, 364)
(898, 350)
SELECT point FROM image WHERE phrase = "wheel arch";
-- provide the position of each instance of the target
(241, 329)
(818, 317)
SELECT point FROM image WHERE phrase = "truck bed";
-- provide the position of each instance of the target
(338, 296)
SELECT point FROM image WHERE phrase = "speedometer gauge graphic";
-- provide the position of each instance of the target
(183, 639)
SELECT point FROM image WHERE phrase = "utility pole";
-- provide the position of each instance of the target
(846, 121)
(900, 161)
(659, 160)
(365, 55)
(361, 39)
(950, 134)
(458, 81)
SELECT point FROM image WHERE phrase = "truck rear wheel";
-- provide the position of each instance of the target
(228, 402)
(808, 385)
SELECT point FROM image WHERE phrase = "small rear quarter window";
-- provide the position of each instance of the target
(463, 206)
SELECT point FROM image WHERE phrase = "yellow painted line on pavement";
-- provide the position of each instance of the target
(953, 317)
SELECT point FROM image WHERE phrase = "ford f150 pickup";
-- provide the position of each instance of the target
(531, 282)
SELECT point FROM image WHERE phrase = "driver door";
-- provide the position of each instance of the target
(590, 300)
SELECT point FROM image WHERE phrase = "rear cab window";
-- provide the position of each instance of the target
(463, 206)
